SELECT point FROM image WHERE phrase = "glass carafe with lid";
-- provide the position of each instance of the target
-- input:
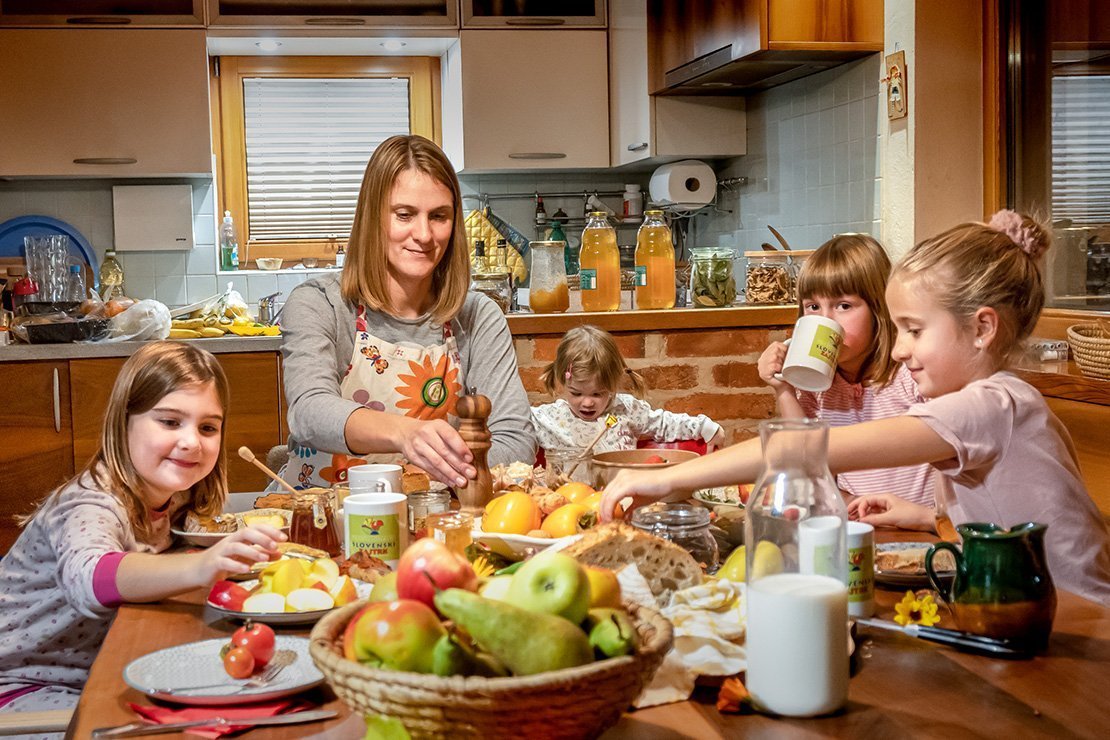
(654, 263)
(548, 291)
(599, 271)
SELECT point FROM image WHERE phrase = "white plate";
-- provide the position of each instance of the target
(283, 618)
(718, 498)
(901, 579)
(200, 539)
(200, 664)
(517, 546)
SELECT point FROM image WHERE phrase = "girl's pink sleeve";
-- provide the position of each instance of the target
(105, 588)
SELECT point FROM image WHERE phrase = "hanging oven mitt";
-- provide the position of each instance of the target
(517, 240)
(478, 226)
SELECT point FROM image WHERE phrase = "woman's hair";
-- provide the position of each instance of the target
(154, 371)
(995, 265)
(364, 273)
(855, 264)
(587, 353)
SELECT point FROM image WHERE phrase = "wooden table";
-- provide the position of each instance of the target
(906, 687)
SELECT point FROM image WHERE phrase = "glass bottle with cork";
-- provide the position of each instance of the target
(655, 286)
(599, 272)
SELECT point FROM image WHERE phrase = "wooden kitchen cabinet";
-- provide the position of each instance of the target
(644, 126)
(533, 13)
(534, 100)
(333, 14)
(37, 434)
(104, 103)
(102, 13)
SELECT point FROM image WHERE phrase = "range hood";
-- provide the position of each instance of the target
(719, 73)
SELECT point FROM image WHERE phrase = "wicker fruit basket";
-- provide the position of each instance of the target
(1090, 346)
(571, 703)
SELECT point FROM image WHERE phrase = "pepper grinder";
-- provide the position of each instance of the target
(473, 410)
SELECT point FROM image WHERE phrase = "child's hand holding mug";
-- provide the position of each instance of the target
(808, 359)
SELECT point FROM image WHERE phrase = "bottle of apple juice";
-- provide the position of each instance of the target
(599, 265)
(654, 263)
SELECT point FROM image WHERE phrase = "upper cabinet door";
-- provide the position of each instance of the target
(533, 13)
(526, 100)
(334, 13)
(108, 13)
(104, 103)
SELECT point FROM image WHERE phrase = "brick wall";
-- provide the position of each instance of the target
(706, 371)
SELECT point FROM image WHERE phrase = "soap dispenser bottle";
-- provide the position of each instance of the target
(229, 245)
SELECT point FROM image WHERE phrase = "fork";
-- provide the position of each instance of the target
(277, 664)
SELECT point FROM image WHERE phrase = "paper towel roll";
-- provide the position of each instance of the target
(688, 184)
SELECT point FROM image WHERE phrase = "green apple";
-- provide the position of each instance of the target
(497, 588)
(385, 588)
(551, 583)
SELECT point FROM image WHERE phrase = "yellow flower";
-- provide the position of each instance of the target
(912, 610)
(482, 568)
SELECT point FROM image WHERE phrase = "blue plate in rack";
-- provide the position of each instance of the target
(13, 230)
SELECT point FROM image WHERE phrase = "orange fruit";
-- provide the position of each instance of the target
(575, 491)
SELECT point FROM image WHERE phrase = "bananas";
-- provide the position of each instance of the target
(232, 320)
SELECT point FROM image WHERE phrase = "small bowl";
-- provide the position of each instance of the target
(309, 262)
(269, 263)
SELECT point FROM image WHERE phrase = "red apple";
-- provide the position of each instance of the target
(399, 635)
(228, 595)
(427, 561)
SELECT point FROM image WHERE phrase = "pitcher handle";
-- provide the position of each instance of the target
(945, 593)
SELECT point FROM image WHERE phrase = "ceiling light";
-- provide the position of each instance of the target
(267, 44)
(393, 44)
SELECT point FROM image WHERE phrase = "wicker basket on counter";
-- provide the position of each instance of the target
(1090, 346)
(572, 703)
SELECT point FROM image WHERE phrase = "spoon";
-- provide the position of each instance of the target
(779, 236)
(246, 454)
(610, 421)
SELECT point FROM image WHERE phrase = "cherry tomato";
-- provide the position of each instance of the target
(228, 595)
(654, 459)
(258, 639)
(239, 663)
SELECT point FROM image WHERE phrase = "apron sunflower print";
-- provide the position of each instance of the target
(423, 382)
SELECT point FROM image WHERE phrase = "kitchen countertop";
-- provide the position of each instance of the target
(79, 351)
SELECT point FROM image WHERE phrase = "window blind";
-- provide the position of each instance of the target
(308, 142)
(1081, 149)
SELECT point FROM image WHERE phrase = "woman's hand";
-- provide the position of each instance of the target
(770, 363)
(887, 510)
(239, 550)
(643, 487)
(437, 447)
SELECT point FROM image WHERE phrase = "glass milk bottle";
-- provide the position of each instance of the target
(797, 569)
(599, 271)
(654, 263)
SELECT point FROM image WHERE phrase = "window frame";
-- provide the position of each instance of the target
(229, 139)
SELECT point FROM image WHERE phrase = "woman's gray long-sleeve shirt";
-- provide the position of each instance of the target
(318, 329)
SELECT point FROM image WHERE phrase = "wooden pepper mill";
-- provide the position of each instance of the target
(473, 410)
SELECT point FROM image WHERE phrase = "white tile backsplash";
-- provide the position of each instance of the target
(201, 260)
(200, 287)
(169, 289)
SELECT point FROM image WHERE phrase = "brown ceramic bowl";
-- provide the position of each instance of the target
(605, 465)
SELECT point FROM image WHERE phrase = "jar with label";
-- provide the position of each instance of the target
(770, 279)
(421, 504)
(654, 263)
(313, 523)
(712, 277)
(599, 273)
(686, 525)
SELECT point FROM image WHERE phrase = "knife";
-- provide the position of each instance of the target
(992, 647)
(135, 729)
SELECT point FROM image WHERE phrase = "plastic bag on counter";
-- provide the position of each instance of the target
(146, 319)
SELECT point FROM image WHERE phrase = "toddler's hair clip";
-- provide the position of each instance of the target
(567, 374)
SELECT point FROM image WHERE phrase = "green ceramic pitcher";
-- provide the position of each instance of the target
(1002, 586)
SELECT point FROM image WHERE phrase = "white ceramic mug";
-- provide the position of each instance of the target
(810, 362)
(378, 523)
(365, 478)
(861, 569)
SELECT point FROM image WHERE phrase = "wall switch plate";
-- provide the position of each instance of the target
(150, 218)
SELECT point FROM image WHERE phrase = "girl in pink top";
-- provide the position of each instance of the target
(963, 302)
(845, 280)
(91, 544)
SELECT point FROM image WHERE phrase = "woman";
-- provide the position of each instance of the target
(376, 358)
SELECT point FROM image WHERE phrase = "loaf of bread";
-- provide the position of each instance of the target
(666, 566)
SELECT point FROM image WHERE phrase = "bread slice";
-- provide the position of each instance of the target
(912, 560)
(414, 478)
(666, 566)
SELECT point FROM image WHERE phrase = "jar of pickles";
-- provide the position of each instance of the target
(685, 525)
(770, 279)
(712, 277)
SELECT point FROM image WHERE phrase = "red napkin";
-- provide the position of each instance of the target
(165, 715)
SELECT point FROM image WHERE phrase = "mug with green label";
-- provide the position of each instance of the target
(810, 362)
(377, 523)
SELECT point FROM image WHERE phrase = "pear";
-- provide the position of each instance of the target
(449, 658)
(526, 642)
(612, 633)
